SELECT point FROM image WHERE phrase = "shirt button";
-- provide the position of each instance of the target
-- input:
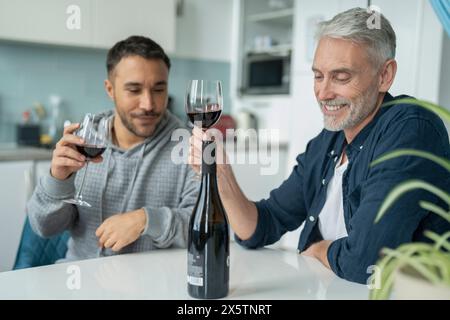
(361, 147)
(311, 218)
(323, 181)
(332, 152)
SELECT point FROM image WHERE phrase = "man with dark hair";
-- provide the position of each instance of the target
(141, 199)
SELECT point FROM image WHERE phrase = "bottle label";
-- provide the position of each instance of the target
(195, 269)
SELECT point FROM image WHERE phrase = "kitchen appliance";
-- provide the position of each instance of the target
(267, 73)
(28, 134)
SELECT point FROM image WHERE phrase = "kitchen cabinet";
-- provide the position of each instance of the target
(267, 26)
(419, 47)
(18, 179)
(85, 23)
(264, 29)
(203, 30)
(45, 21)
(117, 19)
(16, 184)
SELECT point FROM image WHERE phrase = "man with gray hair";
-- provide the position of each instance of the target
(333, 189)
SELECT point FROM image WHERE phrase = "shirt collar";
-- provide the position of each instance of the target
(358, 142)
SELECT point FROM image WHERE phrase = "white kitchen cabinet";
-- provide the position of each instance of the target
(115, 20)
(419, 47)
(16, 185)
(44, 21)
(101, 22)
(17, 182)
(203, 30)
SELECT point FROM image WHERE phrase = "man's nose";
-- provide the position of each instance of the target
(146, 101)
(324, 90)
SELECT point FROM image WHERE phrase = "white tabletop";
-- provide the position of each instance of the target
(161, 274)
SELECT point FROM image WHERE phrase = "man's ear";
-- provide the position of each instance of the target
(387, 75)
(109, 88)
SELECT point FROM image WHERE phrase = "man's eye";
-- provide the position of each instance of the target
(343, 78)
(134, 90)
(159, 90)
(318, 77)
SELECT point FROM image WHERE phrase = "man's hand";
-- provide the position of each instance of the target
(319, 251)
(66, 159)
(195, 150)
(120, 230)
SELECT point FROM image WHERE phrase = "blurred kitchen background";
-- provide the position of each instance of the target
(262, 50)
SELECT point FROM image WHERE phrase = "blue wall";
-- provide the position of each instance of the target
(31, 73)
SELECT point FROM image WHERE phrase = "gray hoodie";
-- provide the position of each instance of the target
(141, 177)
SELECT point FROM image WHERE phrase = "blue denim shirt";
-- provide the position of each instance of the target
(301, 197)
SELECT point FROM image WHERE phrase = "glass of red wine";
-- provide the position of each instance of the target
(95, 131)
(204, 101)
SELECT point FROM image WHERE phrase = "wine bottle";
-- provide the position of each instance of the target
(208, 238)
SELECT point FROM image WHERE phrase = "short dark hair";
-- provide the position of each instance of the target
(135, 46)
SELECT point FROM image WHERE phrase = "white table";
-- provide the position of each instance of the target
(161, 274)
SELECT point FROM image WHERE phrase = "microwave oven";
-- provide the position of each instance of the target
(267, 73)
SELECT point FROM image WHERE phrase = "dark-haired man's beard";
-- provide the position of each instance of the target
(142, 131)
(356, 110)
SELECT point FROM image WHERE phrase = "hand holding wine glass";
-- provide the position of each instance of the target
(66, 159)
(80, 143)
(204, 103)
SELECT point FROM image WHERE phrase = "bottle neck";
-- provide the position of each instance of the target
(209, 159)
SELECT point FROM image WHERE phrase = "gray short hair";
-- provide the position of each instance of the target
(354, 25)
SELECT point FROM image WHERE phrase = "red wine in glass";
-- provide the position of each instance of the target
(205, 119)
(95, 131)
(91, 151)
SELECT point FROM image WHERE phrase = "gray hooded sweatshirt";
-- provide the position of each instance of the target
(126, 180)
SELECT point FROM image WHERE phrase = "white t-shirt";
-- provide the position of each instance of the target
(331, 218)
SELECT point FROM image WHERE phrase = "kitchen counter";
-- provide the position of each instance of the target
(13, 152)
(161, 274)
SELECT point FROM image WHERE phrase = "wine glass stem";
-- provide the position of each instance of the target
(79, 196)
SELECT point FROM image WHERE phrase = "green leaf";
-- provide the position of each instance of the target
(411, 152)
(435, 209)
(407, 186)
(440, 111)
(439, 241)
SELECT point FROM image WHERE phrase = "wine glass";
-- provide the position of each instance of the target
(204, 101)
(95, 131)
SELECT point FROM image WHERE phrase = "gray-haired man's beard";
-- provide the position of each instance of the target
(356, 111)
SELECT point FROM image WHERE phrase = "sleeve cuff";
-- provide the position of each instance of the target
(157, 221)
(59, 189)
(146, 222)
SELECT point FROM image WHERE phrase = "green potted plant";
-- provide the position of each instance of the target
(416, 270)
